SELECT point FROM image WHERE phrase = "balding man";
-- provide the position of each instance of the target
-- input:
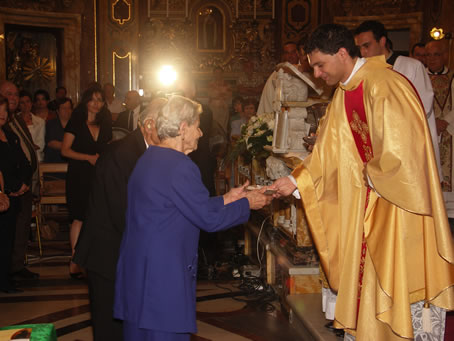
(19, 127)
(128, 119)
(443, 84)
(289, 54)
(99, 241)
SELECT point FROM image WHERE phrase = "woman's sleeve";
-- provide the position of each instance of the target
(71, 127)
(208, 213)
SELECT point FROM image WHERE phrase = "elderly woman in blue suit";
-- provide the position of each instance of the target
(167, 207)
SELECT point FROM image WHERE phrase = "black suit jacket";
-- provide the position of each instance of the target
(99, 241)
(123, 119)
(202, 156)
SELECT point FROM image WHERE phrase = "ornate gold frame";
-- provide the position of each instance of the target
(127, 55)
(121, 21)
(224, 28)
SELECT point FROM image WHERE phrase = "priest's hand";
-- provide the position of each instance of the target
(257, 199)
(284, 187)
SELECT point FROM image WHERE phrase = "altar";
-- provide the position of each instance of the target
(278, 237)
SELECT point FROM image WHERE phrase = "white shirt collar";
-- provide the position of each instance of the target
(359, 62)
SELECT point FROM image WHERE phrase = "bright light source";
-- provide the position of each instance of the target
(141, 92)
(167, 75)
(437, 33)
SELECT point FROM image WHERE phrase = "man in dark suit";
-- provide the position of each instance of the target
(99, 242)
(19, 127)
(129, 118)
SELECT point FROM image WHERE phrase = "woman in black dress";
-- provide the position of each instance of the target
(86, 135)
(16, 173)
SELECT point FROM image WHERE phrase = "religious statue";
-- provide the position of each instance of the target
(290, 105)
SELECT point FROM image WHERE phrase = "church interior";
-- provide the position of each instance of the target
(260, 280)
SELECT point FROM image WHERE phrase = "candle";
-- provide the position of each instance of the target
(167, 8)
(255, 9)
(186, 13)
(237, 14)
(148, 8)
(272, 11)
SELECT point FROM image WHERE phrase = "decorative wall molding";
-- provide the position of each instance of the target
(177, 39)
(126, 58)
(411, 21)
(121, 11)
(71, 26)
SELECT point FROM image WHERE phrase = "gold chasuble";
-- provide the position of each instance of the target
(376, 125)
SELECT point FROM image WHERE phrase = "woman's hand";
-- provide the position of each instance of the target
(92, 159)
(4, 202)
(23, 189)
(257, 199)
(235, 193)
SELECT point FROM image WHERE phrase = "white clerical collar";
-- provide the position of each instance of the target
(359, 62)
(445, 71)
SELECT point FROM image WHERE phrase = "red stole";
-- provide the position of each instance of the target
(356, 115)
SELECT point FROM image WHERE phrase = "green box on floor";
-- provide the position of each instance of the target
(32, 332)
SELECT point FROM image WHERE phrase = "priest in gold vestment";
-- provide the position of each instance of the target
(372, 196)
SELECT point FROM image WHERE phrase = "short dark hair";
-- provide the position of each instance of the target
(250, 101)
(420, 44)
(376, 27)
(63, 101)
(25, 93)
(290, 42)
(60, 88)
(237, 99)
(329, 38)
(41, 92)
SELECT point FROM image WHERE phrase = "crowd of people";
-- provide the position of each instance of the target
(376, 189)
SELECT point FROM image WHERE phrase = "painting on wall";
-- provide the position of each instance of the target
(32, 57)
(210, 29)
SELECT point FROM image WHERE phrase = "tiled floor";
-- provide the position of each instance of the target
(55, 298)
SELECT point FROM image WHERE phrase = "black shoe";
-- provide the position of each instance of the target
(77, 275)
(11, 290)
(25, 274)
(338, 332)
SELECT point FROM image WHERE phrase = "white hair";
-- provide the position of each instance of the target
(152, 111)
(178, 109)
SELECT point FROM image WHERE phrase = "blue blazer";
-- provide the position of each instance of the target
(157, 266)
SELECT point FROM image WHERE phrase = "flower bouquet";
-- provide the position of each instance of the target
(255, 135)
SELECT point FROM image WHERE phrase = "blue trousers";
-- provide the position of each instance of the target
(132, 332)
